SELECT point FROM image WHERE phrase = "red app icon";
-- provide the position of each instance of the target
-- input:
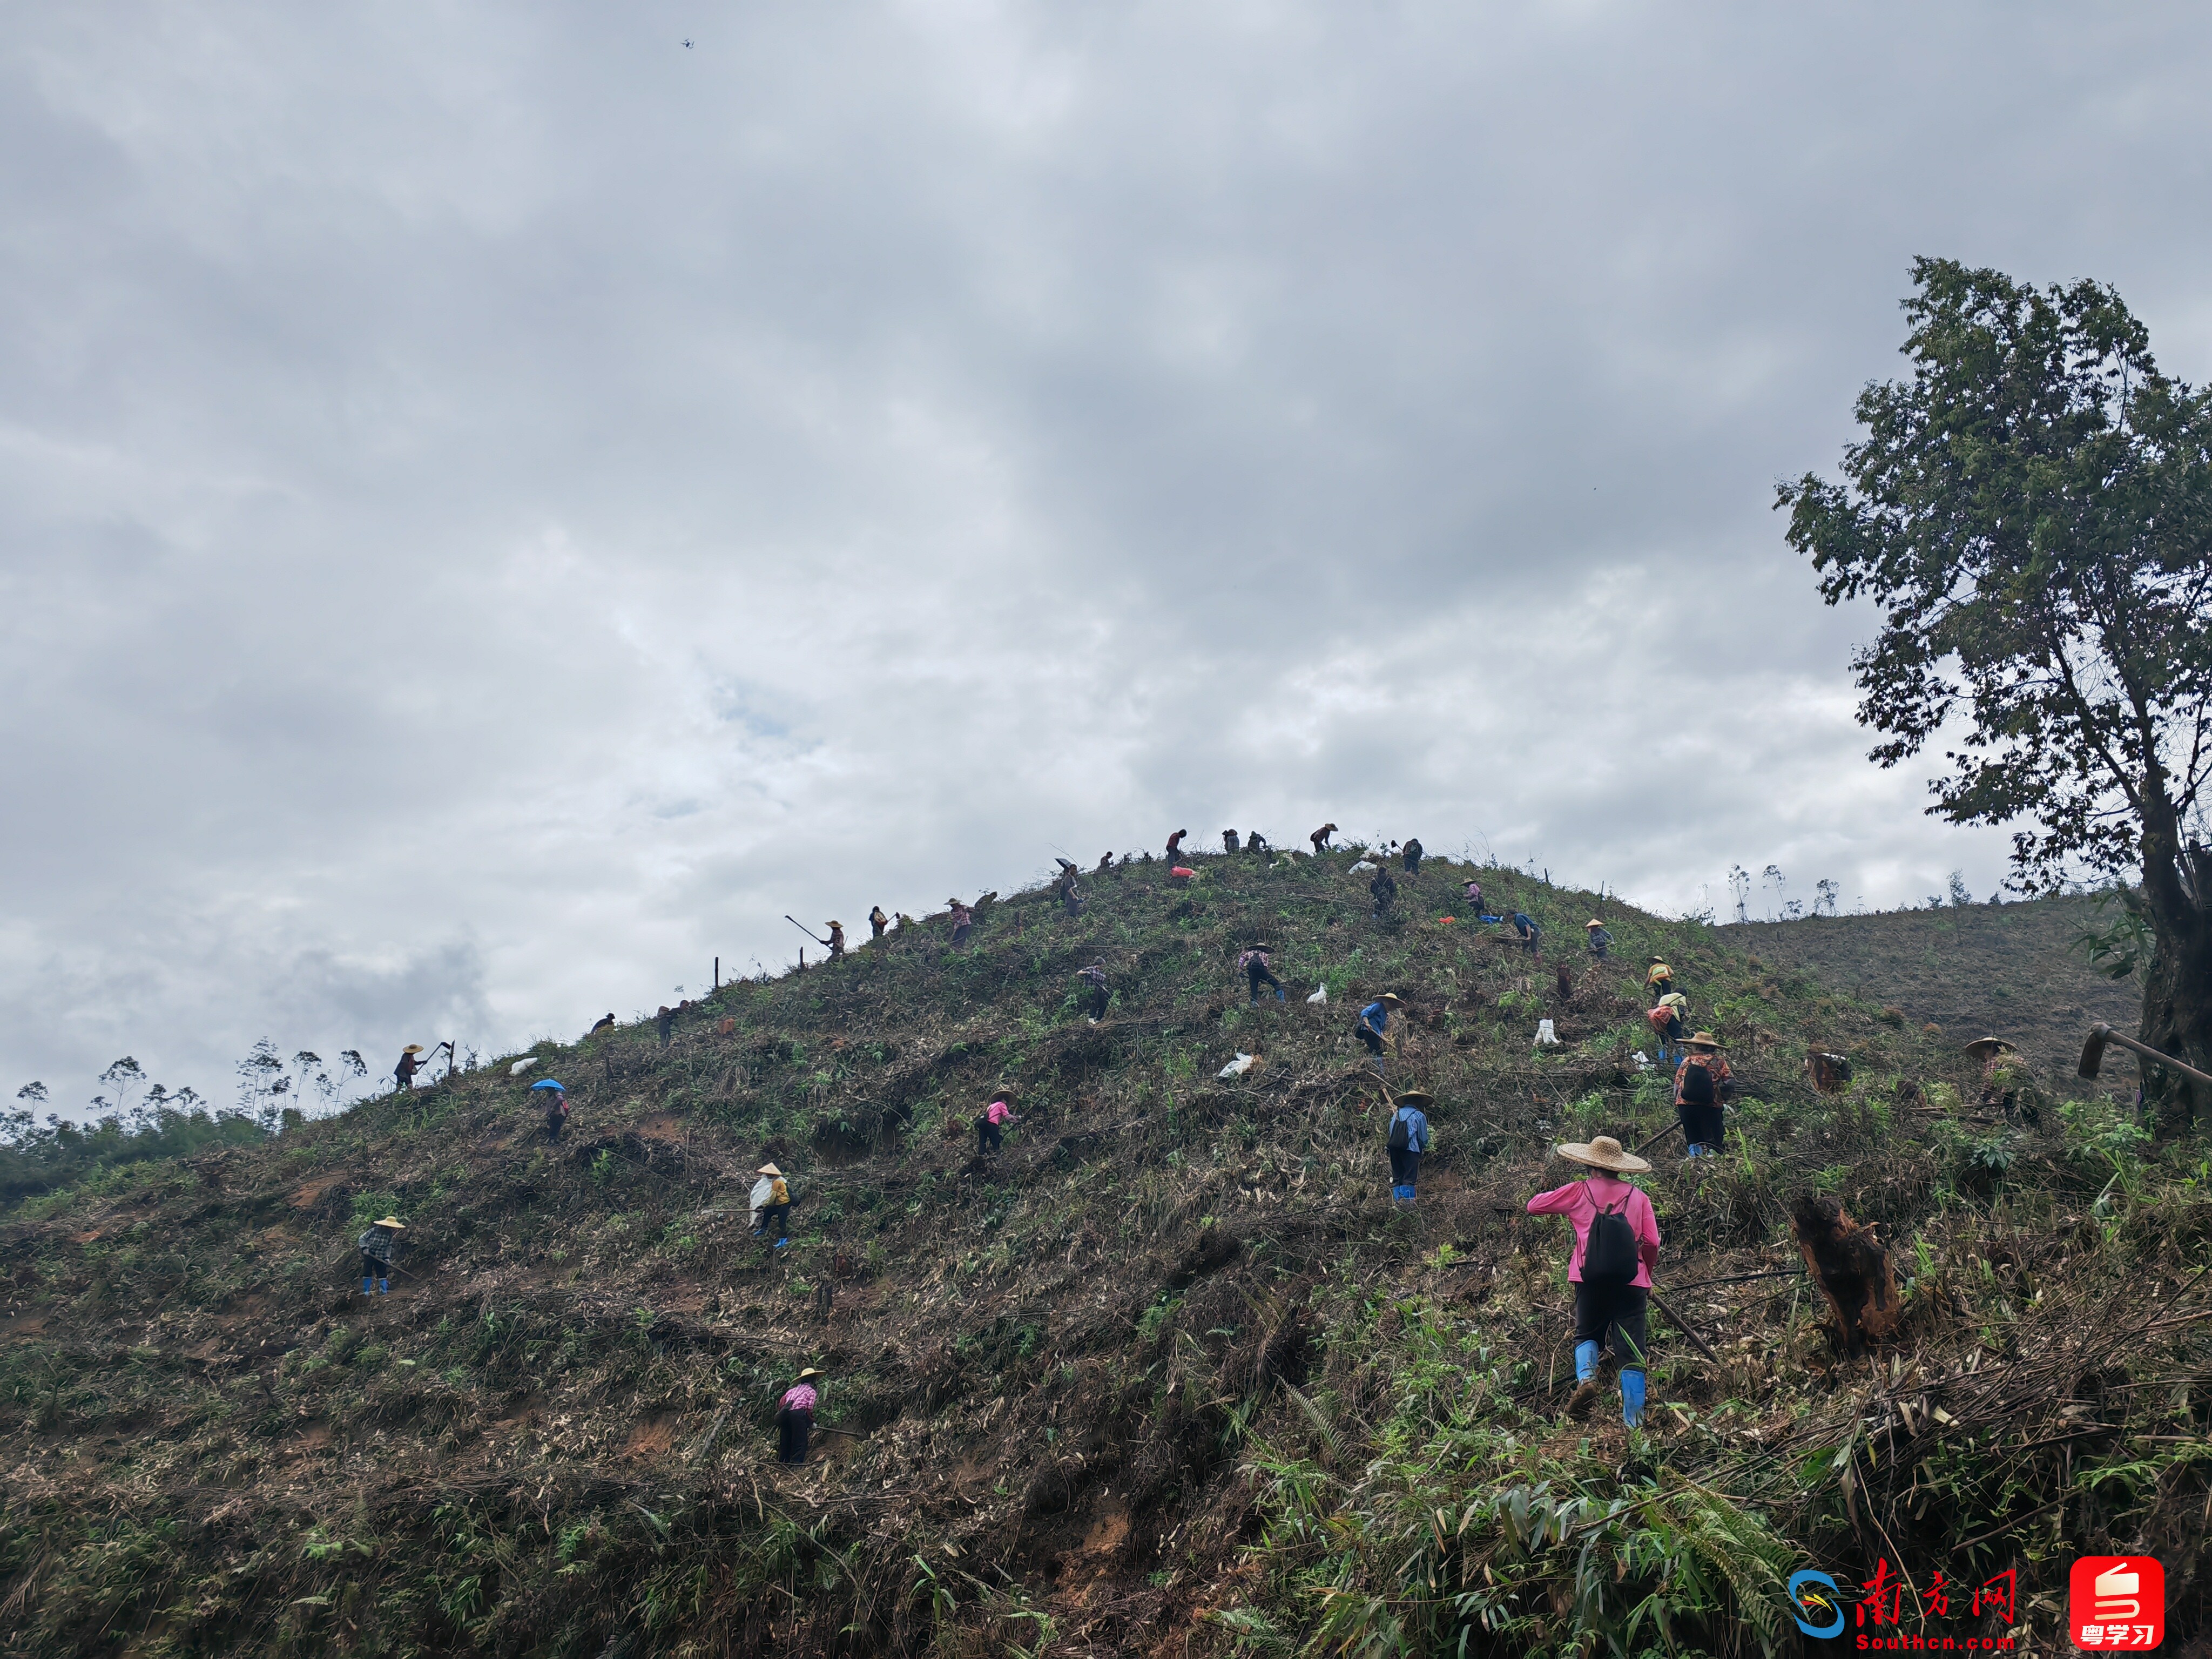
(2116, 1602)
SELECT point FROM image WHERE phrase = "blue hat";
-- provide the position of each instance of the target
(548, 1083)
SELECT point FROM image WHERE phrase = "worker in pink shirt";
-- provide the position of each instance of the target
(990, 1127)
(1616, 1241)
(794, 1418)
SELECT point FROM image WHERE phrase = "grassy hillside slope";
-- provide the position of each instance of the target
(2007, 970)
(1169, 1375)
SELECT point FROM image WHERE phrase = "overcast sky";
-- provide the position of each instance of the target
(498, 504)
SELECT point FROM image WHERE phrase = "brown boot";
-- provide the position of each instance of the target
(1583, 1398)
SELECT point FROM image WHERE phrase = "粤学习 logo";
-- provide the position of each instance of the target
(2116, 1602)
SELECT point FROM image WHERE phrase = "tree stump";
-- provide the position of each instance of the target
(1852, 1268)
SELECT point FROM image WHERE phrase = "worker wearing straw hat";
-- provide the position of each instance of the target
(1616, 1243)
(794, 1417)
(1697, 1093)
(1374, 1022)
(772, 1203)
(380, 1247)
(1601, 939)
(403, 1072)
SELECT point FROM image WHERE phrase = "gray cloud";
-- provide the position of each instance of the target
(495, 508)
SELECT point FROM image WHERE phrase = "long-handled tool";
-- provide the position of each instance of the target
(805, 929)
(2093, 1053)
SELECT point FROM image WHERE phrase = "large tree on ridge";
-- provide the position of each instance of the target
(2033, 512)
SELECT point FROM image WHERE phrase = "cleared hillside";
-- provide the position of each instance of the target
(2007, 970)
(1168, 1377)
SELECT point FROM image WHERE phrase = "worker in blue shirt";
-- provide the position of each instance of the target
(1526, 930)
(1374, 1019)
(1409, 1139)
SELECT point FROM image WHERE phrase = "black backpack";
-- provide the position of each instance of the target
(1402, 1133)
(1611, 1256)
(1697, 1084)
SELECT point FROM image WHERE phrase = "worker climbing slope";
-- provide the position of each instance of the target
(554, 1100)
(1094, 980)
(379, 1249)
(773, 1207)
(1616, 1244)
(1407, 1138)
(1253, 963)
(1698, 1084)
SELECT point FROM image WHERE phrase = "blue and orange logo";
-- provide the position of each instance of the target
(1814, 1596)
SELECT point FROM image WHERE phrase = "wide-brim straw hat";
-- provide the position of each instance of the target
(1414, 1097)
(1259, 944)
(1658, 962)
(1603, 1153)
(1703, 1040)
(394, 1223)
(810, 1372)
(768, 1169)
(1393, 998)
(1593, 923)
(412, 1048)
(1981, 1046)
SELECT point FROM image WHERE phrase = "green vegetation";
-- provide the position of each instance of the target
(1167, 1375)
(2032, 512)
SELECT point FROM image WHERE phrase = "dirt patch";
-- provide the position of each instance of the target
(651, 1437)
(1107, 1534)
(660, 1126)
(311, 1192)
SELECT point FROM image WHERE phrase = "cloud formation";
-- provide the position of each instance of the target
(496, 506)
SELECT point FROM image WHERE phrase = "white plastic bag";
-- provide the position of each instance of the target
(1318, 996)
(1545, 1035)
(1643, 1064)
(1236, 1068)
(522, 1065)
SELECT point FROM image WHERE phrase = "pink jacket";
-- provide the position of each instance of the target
(798, 1398)
(1578, 1201)
(998, 1112)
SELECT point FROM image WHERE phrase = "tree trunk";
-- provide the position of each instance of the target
(2177, 1012)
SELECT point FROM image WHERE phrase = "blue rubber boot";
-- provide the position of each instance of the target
(1632, 1399)
(366, 1285)
(384, 1287)
(781, 1243)
(1585, 1361)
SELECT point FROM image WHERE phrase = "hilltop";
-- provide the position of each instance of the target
(1169, 1375)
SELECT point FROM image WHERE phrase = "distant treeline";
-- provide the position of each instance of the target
(132, 1120)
